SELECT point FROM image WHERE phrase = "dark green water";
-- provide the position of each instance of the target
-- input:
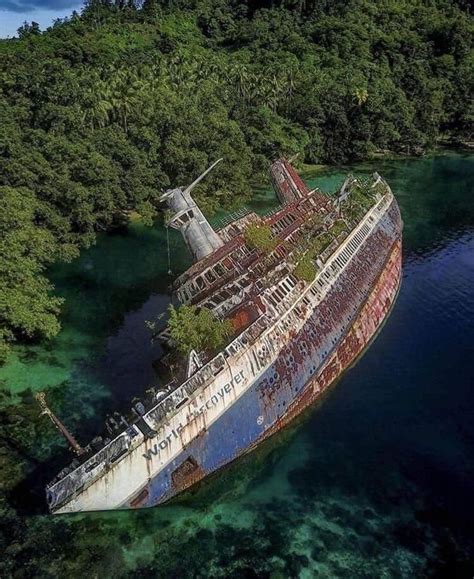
(377, 481)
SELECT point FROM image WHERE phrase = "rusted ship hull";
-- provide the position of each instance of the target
(298, 337)
(283, 392)
(365, 328)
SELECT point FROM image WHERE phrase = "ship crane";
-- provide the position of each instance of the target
(197, 232)
(77, 448)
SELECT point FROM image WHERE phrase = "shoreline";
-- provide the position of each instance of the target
(443, 148)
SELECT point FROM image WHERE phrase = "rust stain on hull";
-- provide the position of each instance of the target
(368, 322)
(371, 317)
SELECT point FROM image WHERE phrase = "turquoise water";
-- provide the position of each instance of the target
(375, 481)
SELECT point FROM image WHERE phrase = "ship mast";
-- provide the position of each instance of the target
(41, 398)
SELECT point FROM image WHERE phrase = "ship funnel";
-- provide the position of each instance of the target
(288, 185)
(198, 234)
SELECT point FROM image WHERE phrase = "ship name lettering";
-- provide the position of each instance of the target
(213, 401)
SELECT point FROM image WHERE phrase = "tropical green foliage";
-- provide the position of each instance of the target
(106, 109)
(260, 237)
(27, 308)
(193, 329)
(338, 227)
(305, 268)
(360, 199)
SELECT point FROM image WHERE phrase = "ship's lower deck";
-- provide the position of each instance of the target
(288, 386)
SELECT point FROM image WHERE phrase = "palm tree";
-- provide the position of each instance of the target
(125, 94)
(96, 108)
(290, 87)
(361, 95)
(242, 80)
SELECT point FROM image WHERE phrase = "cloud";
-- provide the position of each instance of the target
(27, 6)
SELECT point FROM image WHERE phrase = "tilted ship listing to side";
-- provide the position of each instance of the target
(293, 337)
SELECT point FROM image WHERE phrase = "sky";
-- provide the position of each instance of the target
(14, 12)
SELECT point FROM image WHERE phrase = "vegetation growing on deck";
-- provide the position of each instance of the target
(199, 330)
(305, 268)
(361, 198)
(338, 227)
(260, 236)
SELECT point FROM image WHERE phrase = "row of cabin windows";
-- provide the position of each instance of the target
(280, 251)
(227, 292)
(209, 276)
(282, 290)
(283, 223)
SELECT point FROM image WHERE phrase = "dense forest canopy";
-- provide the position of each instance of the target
(106, 109)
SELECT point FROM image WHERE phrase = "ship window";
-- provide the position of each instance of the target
(181, 403)
(91, 466)
(200, 282)
(209, 276)
(218, 370)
